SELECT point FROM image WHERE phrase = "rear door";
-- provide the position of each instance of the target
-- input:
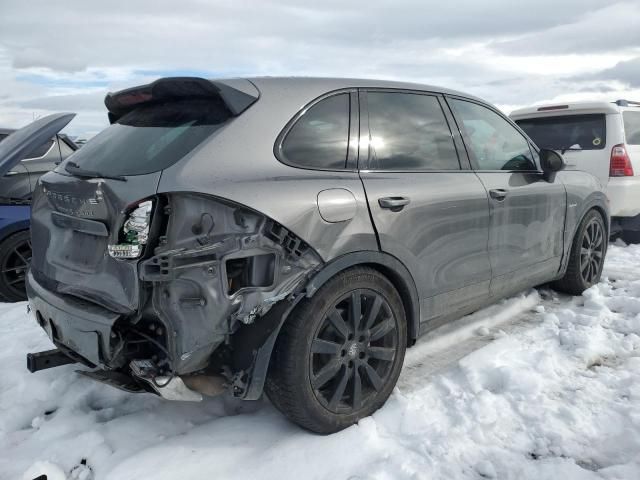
(527, 211)
(429, 209)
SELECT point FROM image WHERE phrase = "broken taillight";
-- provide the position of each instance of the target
(620, 164)
(135, 232)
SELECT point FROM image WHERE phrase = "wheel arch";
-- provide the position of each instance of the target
(595, 203)
(390, 267)
(12, 228)
(262, 350)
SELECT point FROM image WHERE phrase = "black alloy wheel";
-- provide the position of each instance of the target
(592, 252)
(15, 256)
(353, 350)
(340, 352)
(586, 259)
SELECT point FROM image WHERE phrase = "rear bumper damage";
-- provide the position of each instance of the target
(215, 288)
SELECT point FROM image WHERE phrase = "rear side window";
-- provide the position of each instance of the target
(584, 132)
(40, 150)
(3, 136)
(631, 127)
(320, 137)
(409, 132)
(493, 143)
(152, 137)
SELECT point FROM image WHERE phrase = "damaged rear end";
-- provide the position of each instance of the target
(178, 293)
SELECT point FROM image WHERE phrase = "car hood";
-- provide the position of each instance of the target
(20, 143)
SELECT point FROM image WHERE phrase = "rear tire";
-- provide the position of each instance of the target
(339, 355)
(15, 255)
(587, 255)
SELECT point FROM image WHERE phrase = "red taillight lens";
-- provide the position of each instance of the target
(620, 165)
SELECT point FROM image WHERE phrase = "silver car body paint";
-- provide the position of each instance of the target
(230, 206)
(337, 205)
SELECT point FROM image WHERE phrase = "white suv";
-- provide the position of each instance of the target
(598, 137)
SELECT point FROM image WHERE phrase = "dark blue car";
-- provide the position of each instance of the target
(25, 155)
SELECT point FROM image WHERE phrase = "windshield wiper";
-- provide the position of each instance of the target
(74, 169)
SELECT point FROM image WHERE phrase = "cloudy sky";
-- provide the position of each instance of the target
(64, 56)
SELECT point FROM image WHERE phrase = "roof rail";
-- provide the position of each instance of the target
(625, 103)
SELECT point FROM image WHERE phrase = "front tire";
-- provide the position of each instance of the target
(587, 256)
(340, 352)
(15, 255)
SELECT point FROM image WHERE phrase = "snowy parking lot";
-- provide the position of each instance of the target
(539, 386)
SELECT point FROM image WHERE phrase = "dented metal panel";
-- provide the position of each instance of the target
(193, 271)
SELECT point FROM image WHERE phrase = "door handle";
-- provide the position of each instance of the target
(395, 204)
(498, 194)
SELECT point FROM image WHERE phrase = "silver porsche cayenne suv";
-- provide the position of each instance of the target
(294, 236)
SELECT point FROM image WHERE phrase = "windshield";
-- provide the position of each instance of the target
(584, 132)
(632, 127)
(152, 137)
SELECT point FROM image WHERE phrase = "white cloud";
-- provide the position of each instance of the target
(66, 57)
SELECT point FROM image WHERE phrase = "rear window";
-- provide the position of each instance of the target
(585, 132)
(152, 137)
(320, 137)
(631, 127)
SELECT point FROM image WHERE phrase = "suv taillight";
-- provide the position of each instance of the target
(620, 165)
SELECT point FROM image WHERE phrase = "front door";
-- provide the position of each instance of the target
(429, 210)
(527, 211)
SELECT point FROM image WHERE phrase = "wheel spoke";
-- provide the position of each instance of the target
(24, 260)
(373, 377)
(326, 373)
(325, 346)
(594, 269)
(587, 275)
(357, 389)
(14, 269)
(381, 329)
(598, 240)
(355, 310)
(338, 322)
(382, 353)
(372, 314)
(587, 237)
(339, 392)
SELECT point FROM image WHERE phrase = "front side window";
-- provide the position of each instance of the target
(409, 132)
(320, 137)
(632, 127)
(578, 132)
(492, 142)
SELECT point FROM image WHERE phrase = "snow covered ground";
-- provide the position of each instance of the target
(540, 386)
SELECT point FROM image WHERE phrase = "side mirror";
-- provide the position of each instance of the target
(551, 163)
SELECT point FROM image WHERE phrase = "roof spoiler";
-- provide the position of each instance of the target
(237, 94)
